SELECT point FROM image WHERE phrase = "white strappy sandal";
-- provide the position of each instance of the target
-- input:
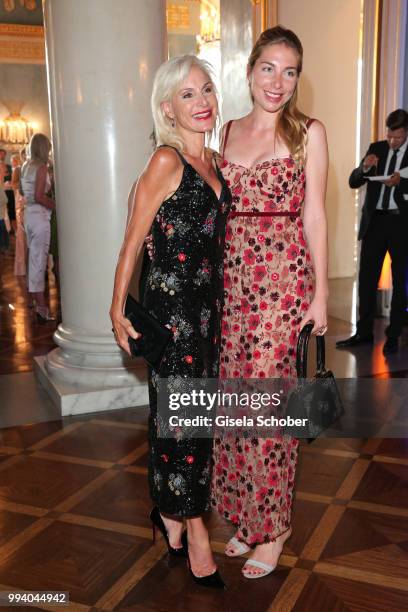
(240, 547)
(268, 569)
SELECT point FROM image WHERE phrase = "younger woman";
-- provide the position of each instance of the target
(275, 278)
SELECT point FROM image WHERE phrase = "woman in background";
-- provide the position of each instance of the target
(35, 185)
(275, 278)
(20, 254)
(4, 220)
(6, 181)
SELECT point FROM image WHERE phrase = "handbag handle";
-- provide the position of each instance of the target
(302, 351)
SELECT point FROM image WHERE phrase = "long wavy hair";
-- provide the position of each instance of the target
(291, 125)
(167, 81)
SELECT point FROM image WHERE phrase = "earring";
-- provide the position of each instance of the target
(172, 122)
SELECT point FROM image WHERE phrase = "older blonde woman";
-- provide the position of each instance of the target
(182, 200)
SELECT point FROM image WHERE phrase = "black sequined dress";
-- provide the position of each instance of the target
(184, 290)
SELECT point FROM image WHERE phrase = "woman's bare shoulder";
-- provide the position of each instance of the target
(164, 158)
(316, 136)
(315, 126)
(163, 163)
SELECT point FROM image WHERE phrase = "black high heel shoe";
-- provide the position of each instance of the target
(157, 523)
(213, 581)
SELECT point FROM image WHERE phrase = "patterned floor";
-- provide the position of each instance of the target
(74, 506)
(21, 336)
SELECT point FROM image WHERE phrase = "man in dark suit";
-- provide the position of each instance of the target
(383, 227)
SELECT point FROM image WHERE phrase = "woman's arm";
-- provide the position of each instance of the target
(131, 202)
(2, 172)
(158, 181)
(40, 187)
(315, 222)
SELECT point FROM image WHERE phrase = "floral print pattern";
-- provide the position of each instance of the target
(268, 283)
(184, 290)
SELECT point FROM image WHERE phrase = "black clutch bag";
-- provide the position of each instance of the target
(317, 399)
(152, 344)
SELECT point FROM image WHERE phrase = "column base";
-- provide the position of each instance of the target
(78, 398)
(90, 359)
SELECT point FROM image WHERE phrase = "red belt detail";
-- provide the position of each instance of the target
(275, 213)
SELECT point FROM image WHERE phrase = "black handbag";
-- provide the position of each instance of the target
(155, 337)
(317, 399)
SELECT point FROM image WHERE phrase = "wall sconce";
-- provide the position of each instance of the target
(210, 26)
(10, 5)
(16, 130)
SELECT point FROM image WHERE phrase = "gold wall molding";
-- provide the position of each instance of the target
(391, 58)
(382, 58)
(376, 69)
(264, 15)
(14, 29)
(21, 44)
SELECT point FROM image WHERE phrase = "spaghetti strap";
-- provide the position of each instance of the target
(185, 162)
(227, 130)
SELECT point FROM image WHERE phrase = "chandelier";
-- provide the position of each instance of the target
(210, 30)
(10, 5)
(16, 130)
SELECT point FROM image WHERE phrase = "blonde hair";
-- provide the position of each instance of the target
(292, 123)
(167, 81)
(39, 147)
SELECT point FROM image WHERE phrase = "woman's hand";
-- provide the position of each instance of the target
(122, 328)
(317, 314)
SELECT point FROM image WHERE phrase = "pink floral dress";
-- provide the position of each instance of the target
(268, 283)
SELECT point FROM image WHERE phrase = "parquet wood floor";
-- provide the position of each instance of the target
(21, 336)
(74, 504)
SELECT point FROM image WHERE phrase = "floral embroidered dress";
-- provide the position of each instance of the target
(268, 280)
(184, 290)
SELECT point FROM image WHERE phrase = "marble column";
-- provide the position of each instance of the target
(236, 44)
(101, 60)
